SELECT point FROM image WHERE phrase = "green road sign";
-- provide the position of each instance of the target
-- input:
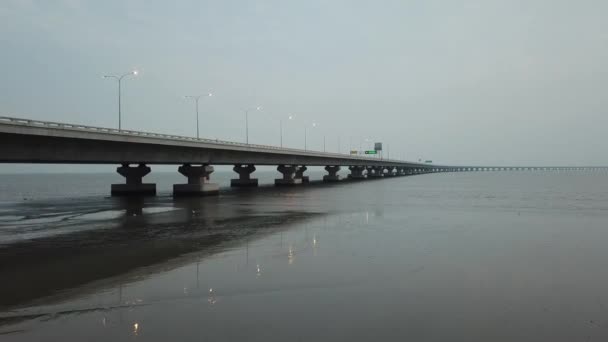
(371, 152)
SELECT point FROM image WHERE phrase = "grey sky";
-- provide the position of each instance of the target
(461, 82)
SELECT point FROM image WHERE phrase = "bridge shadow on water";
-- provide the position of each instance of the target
(76, 247)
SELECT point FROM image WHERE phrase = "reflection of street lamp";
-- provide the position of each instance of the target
(247, 122)
(119, 79)
(290, 117)
(196, 99)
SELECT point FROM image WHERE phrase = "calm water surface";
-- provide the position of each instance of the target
(509, 256)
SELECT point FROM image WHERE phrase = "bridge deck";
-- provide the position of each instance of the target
(34, 141)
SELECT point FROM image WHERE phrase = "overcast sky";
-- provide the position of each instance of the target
(458, 82)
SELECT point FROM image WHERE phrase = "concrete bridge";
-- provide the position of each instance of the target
(33, 141)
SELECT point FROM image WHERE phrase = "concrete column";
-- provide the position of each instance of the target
(289, 175)
(375, 172)
(390, 171)
(300, 174)
(244, 179)
(356, 172)
(198, 181)
(134, 185)
(333, 174)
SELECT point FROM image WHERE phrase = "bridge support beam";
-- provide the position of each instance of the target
(390, 172)
(333, 173)
(244, 179)
(300, 174)
(289, 175)
(198, 181)
(134, 185)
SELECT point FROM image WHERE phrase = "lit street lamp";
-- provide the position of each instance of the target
(196, 99)
(314, 124)
(290, 117)
(119, 79)
(247, 122)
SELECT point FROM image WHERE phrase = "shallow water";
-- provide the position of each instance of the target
(498, 256)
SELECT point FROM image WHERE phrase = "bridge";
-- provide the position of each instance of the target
(34, 141)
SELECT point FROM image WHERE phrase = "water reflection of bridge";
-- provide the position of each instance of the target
(129, 246)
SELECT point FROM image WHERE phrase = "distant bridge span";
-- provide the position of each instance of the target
(34, 141)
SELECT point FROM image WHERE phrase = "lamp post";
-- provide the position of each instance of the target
(196, 99)
(369, 143)
(290, 117)
(314, 124)
(119, 79)
(247, 122)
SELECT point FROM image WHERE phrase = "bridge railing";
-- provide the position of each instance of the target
(114, 131)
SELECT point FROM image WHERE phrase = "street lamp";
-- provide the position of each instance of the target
(247, 122)
(119, 79)
(196, 99)
(290, 117)
(339, 146)
(314, 124)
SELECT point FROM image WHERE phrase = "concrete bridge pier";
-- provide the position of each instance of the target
(300, 174)
(375, 172)
(390, 171)
(198, 181)
(356, 172)
(289, 175)
(244, 179)
(333, 173)
(134, 185)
